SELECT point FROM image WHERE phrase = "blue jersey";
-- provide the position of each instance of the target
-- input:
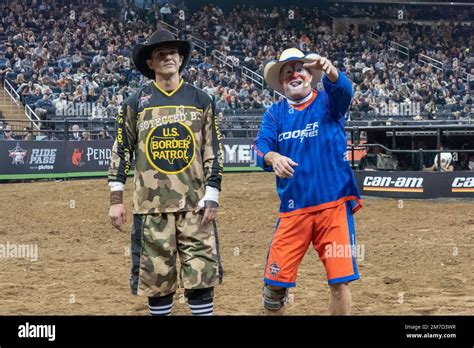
(313, 137)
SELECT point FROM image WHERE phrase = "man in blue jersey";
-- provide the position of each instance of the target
(302, 139)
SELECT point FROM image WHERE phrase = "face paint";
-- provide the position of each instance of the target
(296, 80)
(293, 71)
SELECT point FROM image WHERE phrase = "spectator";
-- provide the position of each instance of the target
(377, 159)
(256, 103)
(166, 13)
(99, 111)
(244, 92)
(25, 90)
(267, 102)
(234, 103)
(467, 158)
(222, 104)
(104, 135)
(60, 104)
(20, 80)
(246, 104)
(75, 133)
(112, 108)
(86, 136)
(446, 163)
(44, 106)
(28, 134)
(205, 65)
(8, 133)
(210, 89)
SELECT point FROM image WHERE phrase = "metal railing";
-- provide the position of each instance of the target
(373, 36)
(33, 117)
(466, 76)
(258, 79)
(402, 50)
(223, 59)
(15, 97)
(253, 76)
(169, 27)
(61, 129)
(11, 92)
(436, 64)
(199, 44)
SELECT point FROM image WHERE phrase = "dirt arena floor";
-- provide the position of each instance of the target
(418, 258)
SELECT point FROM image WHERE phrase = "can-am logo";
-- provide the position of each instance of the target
(387, 183)
(463, 184)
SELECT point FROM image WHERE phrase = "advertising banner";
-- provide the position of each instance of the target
(239, 153)
(400, 184)
(63, 159)
(88, 156)
(35, 157)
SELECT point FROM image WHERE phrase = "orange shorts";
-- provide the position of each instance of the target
(333, 236)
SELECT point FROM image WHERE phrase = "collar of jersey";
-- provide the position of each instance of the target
(168, 94)
(303, 104)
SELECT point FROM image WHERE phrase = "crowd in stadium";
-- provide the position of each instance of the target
(400, 11)
(86, 72)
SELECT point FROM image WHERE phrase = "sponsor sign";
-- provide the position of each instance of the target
(392, 184)
(22, 157)
(68, 157)
(88, 156)
(463, 184)
(401, 184)
(239, 153)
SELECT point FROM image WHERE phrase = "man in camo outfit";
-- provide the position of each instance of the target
(169, 127)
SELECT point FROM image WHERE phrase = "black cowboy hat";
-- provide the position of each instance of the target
(161, 37)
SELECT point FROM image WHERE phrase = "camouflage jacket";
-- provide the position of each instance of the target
(176, 144)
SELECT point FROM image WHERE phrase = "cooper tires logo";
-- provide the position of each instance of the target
(170, 149)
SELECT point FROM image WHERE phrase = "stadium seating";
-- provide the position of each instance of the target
(92, 64)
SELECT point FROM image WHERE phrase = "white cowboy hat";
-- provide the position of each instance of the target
(272, 69)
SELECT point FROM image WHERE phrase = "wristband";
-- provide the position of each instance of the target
(116, 197)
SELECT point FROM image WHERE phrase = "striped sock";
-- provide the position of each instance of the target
(161, 310)
(202, 309)
(161, 305)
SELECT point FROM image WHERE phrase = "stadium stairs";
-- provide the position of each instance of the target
(10, 110)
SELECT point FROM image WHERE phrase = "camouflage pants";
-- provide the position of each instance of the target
(157, 240)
